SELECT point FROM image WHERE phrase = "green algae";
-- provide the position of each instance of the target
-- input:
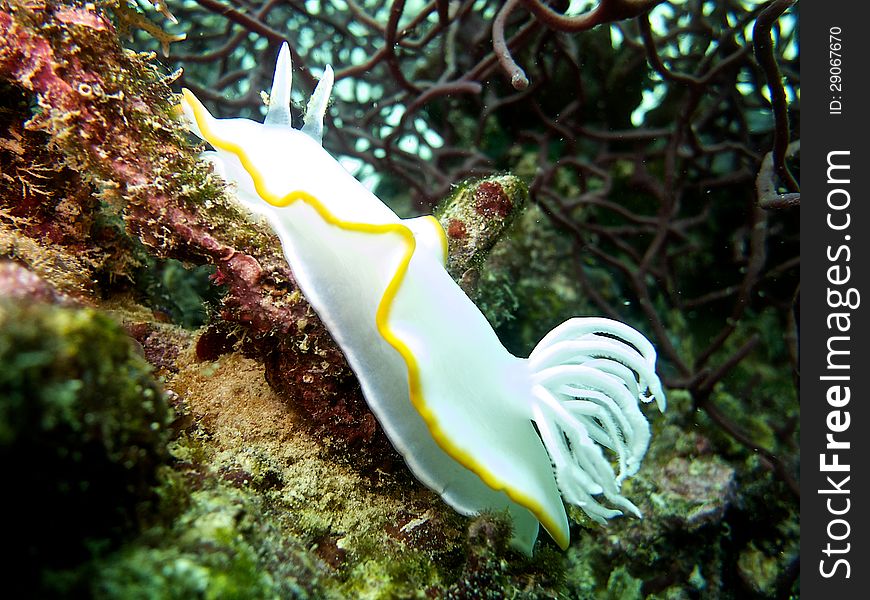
(182, 293)
(83, 429)
(244, 525)
(621, 585)
(217, 548)
(759, 571)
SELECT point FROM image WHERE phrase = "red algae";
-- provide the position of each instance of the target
(490, 200)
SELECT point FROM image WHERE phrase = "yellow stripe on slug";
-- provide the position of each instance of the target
(383, 312)
(442, 236)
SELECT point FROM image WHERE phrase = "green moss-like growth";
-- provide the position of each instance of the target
(475, 217)
(82, 432)
(622, 586)
(180, 292)
(758, 571)
(220, 547)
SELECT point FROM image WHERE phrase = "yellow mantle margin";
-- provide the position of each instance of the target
(415, 390)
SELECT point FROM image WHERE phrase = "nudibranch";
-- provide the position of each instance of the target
(486, 430)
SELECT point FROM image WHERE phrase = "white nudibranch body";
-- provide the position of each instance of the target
(484, 429)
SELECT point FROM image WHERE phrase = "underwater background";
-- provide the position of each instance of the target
(175, 421)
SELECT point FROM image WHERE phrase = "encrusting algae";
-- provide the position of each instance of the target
(242, 462)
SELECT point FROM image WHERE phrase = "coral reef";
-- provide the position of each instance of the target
(242, 461)
(139, 164)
